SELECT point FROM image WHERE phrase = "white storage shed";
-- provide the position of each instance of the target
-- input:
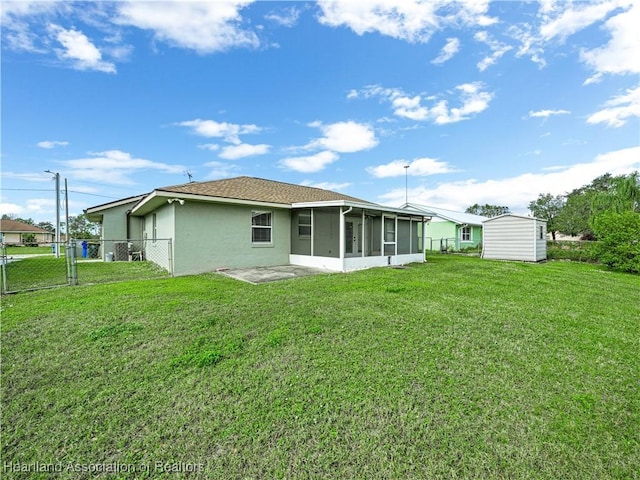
(514, 237)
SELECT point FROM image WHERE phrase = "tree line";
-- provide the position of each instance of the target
(79, 226)
(606, 210)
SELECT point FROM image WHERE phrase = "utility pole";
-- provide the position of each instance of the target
(57, 244)
(66, 212)
(406, 184)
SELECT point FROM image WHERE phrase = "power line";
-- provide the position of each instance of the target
(52, 190)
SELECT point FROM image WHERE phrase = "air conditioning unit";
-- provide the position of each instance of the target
(120, 251)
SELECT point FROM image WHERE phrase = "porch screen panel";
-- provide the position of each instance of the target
(326, 233)
(416, 239)
(389, 236)
(301, 232)
(404, 237)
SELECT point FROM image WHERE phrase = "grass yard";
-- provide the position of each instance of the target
(458, 368)
(49, 271)
(20, 250)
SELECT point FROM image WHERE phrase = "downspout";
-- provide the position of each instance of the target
(128, 213)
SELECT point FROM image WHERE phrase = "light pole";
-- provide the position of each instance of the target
(406, 184)
(57, 243)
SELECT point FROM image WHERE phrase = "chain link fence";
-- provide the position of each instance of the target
(82, 262)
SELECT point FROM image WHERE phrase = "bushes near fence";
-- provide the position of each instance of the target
(577, 251)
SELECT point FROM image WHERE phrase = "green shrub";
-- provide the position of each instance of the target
(576, 251)
(619, 240)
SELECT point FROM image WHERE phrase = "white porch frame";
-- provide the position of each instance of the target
(342, 263)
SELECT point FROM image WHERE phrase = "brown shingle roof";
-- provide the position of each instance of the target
(19, 227)
(260, 190)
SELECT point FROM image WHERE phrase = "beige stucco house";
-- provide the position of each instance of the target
(248, 222)
(14, 232)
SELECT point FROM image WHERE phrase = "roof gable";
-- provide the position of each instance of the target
(258, 190)
(460, 218)
(7, 225)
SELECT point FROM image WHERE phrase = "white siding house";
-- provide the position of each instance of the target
(515, 237)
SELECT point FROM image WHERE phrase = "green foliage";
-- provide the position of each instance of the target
(81, 228)
(29, 239)
(605, 193)
(547, 207)
(570, 250)
(619, 240)
(487, 210)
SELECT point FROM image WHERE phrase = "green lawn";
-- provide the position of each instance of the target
(458, 368)
(48, 271)
(15, 250)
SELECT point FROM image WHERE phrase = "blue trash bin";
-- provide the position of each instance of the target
(84, 249)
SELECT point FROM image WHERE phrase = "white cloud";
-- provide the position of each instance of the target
(11, 209)
(618, 109)
(498, 49)
(114, 167)
(576, 17)
(473, 97)
(516, 192)
(288, 18)
(620, 55)
(547, 113)
(335, 186)
(33, 206)
(242, 150)
(409, 20)
(228, 131)
(310, 163)
(79, 51)
(213, 147)
(51, 144)
(448, 51)
(419, 167)
(474, 100)
(206, 27)
(344, 137)
(221, 170)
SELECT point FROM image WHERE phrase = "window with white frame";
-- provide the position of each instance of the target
(465, 234)
(261, 227)
(154, 226)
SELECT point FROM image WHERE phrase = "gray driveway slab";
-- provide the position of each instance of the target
(257, 275)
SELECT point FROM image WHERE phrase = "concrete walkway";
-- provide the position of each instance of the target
(257, 275)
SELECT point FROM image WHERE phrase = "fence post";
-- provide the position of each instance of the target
(5, 289)
(170, 253)
(71, 259)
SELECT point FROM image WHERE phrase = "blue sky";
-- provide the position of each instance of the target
(486, 102)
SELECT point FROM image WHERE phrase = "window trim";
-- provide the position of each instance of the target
(254, 214)
(462, 235)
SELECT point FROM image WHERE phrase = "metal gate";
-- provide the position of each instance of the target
(24, 270)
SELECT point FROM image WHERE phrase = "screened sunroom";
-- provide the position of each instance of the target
(346, 236)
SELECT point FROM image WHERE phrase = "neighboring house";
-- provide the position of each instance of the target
(249, 222)
(449, 229)
(19, 233)
(515, 237)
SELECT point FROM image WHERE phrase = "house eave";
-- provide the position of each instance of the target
(158, 198)
(364, 206)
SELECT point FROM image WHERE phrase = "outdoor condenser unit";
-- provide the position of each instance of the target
(120, 251)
